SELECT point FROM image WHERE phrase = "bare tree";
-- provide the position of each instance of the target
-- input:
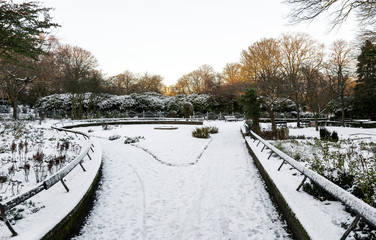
(149, 83)
(261, 62)
(339, 69)
(340, 10)
(295, 51)
(47, 73)
(15, 78)
(202, 80)
(76, 66)
(124, 83)
(317, 91)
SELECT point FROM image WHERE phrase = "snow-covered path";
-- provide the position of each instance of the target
(220, 197)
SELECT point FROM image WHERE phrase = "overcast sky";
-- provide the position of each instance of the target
(173, 37)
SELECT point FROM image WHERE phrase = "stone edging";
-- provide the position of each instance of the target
(288, 215)
(72, 223)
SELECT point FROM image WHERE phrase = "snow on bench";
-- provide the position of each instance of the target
(230, 118)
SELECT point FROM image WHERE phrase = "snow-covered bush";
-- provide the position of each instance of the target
(202, 132)
(90, 105)
(129, 140)
(213, 130)
(114, 137)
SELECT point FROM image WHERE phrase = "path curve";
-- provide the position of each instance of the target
(222, 196)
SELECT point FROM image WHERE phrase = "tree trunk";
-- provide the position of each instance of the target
(297, 114)
(272, 120)
(256, 125)
(343, 111)
(15, 108)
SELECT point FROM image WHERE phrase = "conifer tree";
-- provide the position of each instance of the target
(365, 90)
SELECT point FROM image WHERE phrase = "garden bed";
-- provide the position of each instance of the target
(37, 216)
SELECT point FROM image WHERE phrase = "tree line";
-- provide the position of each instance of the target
(339, 78)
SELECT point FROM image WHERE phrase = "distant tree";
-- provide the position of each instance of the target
(317, 91)
(365, 89)
(202, 80)
(340, 10)
(45, 82)
(262, 69)
(76, 69)
(234, 84)
(149, 83)
(296, 50)
(124, 83)
(232, 73)
(339, 69)
(251, 105)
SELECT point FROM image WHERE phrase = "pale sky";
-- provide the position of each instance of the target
(172, 37)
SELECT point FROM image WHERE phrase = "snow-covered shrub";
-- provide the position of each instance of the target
(90, 105)
(114, 137)
(324, 134)
(149, 101)
(129, 140)
(334, 136)
(213, 130)
(187, 109)
(202, 132)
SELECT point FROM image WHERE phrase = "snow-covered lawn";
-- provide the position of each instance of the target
(170, 185)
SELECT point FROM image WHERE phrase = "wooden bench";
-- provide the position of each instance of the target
(305, 123)
(281, 124)
(230, 118)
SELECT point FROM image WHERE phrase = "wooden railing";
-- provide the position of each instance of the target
(362, 209)
(49, 182)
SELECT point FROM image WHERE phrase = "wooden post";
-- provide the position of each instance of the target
(301, 184)
(82, 166)
(258, 143)
(88, 156)
(283, 162)
(4, 217)
(351, 227)
(271, 153)
(263, 148)
(65, 186)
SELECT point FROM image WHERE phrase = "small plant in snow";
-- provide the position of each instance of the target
(3, 179)
(114, 137)
(213, 130)
(201, 132)
(129, 140)
(324, 134)
(26, 171)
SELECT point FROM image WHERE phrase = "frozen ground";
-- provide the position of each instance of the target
(173, 186)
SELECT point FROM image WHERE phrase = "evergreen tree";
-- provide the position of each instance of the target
(251, 105)
(20, 28)
(365, 90)
(21, 45)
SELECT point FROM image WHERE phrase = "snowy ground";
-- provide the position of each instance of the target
(173, 186)
(321, 219)
(56, 202)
